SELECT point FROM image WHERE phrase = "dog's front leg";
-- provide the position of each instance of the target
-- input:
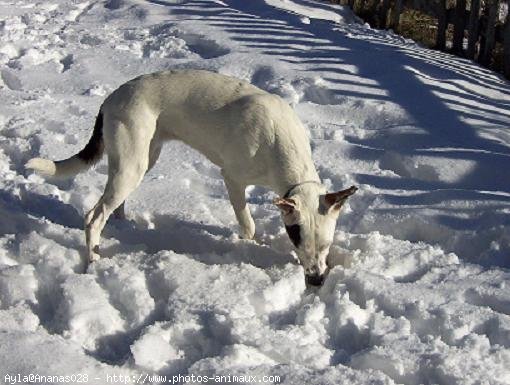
(238, 200)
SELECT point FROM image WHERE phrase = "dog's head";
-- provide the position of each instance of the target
(310, 216)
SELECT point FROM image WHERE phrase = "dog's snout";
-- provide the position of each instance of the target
(314, 279)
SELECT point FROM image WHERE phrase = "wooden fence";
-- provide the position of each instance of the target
(468, 28)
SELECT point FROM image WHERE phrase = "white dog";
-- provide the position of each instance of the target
(253, 136)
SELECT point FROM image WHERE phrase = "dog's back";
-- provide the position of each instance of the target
(195, 91)
(233, 123)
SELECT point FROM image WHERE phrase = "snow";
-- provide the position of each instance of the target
(419, 294)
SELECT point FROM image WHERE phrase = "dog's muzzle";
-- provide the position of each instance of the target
(315, 279)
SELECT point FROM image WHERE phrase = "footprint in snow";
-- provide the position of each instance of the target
(11, 80)
(205, 48)
(166, 41)
(66, 62)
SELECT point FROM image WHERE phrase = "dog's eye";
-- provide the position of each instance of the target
(294, 232)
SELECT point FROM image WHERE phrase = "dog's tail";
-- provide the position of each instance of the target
(90, 154)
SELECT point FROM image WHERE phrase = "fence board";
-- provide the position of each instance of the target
(442, 24)
(473, 30)
(459, 26)
(395, 14)
(489, 36)
(383, 13)
(506, 47)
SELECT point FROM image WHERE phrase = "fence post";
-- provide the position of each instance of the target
(506, 46)
(489, 39)
(442, 24)
(383, 14)
(360, 6)
(395, 15)
(473, 30)
(373, 8)
(459, 24)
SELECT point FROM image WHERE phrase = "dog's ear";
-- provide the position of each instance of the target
(334, 201)
(286, 205)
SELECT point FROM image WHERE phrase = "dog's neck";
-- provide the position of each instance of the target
(292, 188)
(297, 177)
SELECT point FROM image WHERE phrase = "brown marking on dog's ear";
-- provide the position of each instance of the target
(337, 199)
(286, 205)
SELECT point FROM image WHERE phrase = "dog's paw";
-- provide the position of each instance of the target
(248, 232)
(94, 255)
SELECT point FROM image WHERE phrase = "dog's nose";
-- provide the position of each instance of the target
(314, 279)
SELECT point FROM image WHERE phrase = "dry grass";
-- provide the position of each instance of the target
(418, 26)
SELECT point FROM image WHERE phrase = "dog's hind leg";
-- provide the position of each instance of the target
(128, 160)
(155, 150)
(236, 193)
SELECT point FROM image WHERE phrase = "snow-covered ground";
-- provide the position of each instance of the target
(421, 291)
